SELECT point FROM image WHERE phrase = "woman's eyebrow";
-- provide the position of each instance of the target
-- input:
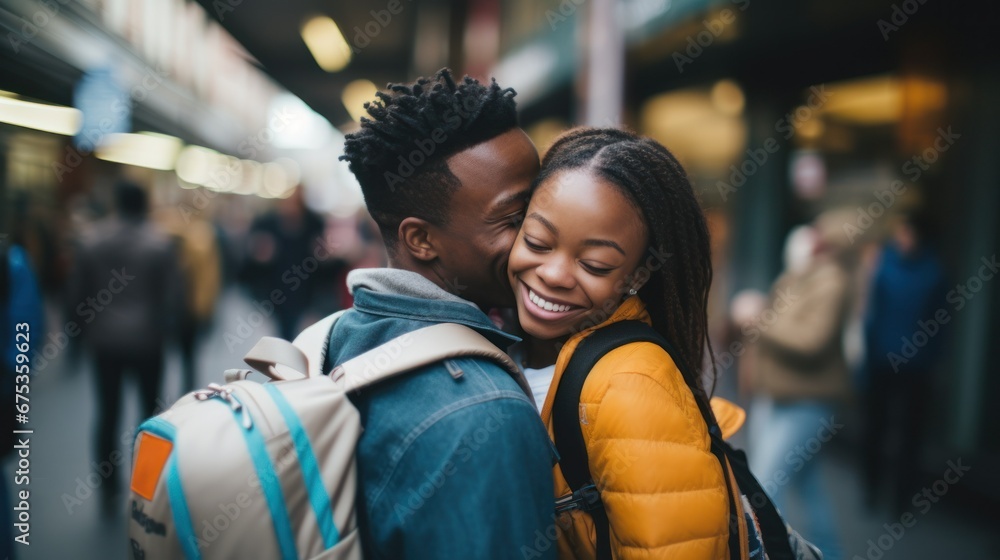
(589, 242)
(551, 227)
(604, 243)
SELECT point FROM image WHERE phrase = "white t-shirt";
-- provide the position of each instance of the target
(539, 380)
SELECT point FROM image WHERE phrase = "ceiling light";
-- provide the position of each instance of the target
(145, 149)
(355, 95)
(56, 119)
(326, 43)
(727, 98)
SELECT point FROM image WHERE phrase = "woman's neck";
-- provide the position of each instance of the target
(540, 353)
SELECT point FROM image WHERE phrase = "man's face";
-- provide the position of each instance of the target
(484, 216)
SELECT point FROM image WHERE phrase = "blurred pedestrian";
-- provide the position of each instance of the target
(201, 277)
(21, 321)
(908, 287)
(801, 373)
(124, 292)
(281, 256)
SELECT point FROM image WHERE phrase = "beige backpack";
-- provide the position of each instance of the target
(267, 470)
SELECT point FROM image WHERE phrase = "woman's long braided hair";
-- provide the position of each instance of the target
(651, 178)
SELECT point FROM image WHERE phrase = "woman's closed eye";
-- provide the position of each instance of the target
(598, 270)
(534, 246)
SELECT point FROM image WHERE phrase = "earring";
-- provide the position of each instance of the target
(632, 292)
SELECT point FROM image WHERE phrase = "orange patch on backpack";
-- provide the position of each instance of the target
(151, 455)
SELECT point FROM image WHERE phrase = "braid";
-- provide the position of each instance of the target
(399, 154)
(655, 183)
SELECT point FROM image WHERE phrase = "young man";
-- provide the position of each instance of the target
(449, 467)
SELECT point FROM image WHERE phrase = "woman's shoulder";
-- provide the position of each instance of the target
(641, 388)
(637, 367)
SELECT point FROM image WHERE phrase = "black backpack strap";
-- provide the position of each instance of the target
(772, 527)
(569, 441)
(574, 461)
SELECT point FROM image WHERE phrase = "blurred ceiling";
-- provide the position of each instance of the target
(382, 42)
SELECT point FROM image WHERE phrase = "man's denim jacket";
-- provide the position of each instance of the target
(447, 467)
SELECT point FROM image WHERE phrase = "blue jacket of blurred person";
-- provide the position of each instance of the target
(20, 302)
(908, 289)
(21, 311)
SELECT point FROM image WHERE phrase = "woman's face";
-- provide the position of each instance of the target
(572, 260)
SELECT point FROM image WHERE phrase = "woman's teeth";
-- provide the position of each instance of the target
(547, 305)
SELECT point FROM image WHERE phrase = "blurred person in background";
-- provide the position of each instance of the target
(21, 313)
(800, 372)
(201, 275)
(124, 291)
(908, 287)
(282, 248)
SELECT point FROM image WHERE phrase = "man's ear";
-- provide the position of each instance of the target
(415, 238)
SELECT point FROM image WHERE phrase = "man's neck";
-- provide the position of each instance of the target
(415, 267)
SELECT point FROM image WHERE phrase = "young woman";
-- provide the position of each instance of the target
(614, 232)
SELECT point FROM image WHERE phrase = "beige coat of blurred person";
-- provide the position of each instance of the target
(800, 372)
(201, 274)
(801, 352)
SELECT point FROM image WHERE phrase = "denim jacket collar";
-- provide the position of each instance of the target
(385, 300)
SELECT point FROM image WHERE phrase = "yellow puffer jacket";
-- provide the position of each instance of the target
(663, 490)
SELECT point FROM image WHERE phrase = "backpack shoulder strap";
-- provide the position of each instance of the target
(569, 441)
(282, 360)
(314, 342)
(566, 405)
(420, 348)
(572, 447)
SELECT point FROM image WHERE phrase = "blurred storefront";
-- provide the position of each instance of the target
(157, 92)
(780, 110)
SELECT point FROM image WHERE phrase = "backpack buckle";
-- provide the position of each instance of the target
(225, 394)
(587, 498)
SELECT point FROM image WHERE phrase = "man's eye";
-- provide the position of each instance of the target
(515, 220)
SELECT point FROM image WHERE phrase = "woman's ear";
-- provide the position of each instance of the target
(416, 239)
(635, 281)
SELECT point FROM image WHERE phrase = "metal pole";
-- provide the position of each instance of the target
(605, 65)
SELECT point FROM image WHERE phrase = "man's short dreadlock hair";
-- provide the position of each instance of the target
(399, 154)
